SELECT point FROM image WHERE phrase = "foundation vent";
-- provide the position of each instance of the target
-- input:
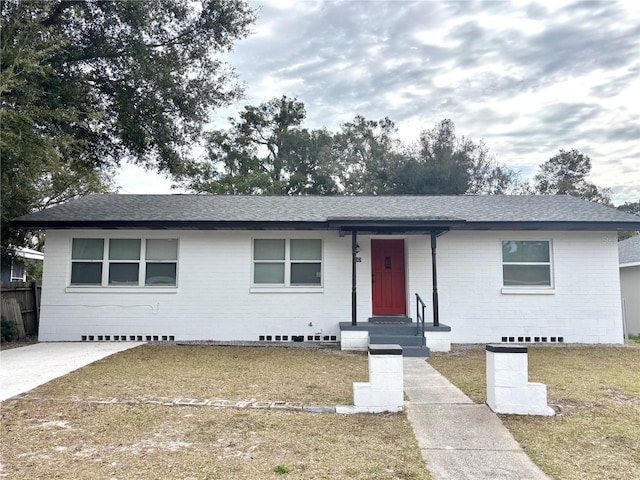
(297, 338)
(532, 339)
(127, 338)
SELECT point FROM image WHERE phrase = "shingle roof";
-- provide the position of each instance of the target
(629, 250)
(198, 210)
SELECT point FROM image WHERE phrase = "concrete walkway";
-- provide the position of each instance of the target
(460, 440)
(24, 368)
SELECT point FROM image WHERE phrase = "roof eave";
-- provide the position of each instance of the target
(331, 224)
(555, 225)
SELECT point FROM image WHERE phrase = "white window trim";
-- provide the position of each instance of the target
(528, 289)
(286, 287)
(142, 263)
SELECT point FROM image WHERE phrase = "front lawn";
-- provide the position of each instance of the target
(59, 431)
(598, 389)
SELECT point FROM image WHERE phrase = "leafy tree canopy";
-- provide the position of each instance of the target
(443, 163)
(629, 207)
(565, 174)
(86, 83)
(266, 150)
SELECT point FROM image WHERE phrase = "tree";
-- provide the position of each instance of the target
(439, 164)
(633, 208)
(488, 176)
(366, 154)
(87, 83)
(630, 207)
(265, 151)
(442, 163)
(565, 174)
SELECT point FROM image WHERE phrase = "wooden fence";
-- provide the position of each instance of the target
(27, 311)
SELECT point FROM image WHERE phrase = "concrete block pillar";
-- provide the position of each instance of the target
(508, 386)
(438, 339)
(354, 340)
(384, 392)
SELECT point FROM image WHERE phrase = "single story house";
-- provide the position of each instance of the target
(629, 254)
(328, 268)
(17, 272)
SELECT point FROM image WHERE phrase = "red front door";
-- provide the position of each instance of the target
(387, 277)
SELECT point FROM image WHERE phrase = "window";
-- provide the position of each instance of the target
(161, 262)
(295, 262)
(86, 261)
(124, 261)
(128, 260)
(18, 273)
(526, 263)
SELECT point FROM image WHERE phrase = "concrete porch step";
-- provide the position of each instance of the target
(402, 340)
(401, 329)
(393, 319)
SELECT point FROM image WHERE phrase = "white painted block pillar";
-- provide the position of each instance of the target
(438, 339)
(384, 392)
(508, 386)
(354, 340)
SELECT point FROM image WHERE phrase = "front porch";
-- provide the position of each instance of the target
(390, 283)
(398, 330)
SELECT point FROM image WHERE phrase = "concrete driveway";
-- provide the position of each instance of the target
(24, 368)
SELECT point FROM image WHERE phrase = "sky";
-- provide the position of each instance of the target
(527, 78)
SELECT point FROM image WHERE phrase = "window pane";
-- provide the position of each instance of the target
(87, 249)
(525, 251)
(268, 249)
(123, 274)
(162, 249)
(124, 249)
(268, 273)
(306, 249)
(17, 269)
(86, 273)
(305, 273)
(160, 274)
(522, 275)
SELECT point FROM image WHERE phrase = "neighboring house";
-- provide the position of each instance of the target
(17, 271)
(629, 256)
(205, 267)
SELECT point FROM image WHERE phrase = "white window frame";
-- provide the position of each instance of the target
(528, 289)
(286, 286)
(106, 262)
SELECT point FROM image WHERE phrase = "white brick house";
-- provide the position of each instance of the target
(202, 267)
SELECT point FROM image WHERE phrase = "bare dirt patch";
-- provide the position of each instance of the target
(53, 436)
(206, 372)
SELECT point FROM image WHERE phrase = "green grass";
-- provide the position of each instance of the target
(598, 388)
(59, 434)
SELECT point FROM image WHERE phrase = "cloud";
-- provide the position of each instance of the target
(527, 77)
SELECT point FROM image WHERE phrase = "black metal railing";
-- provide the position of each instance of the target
(420, 306)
